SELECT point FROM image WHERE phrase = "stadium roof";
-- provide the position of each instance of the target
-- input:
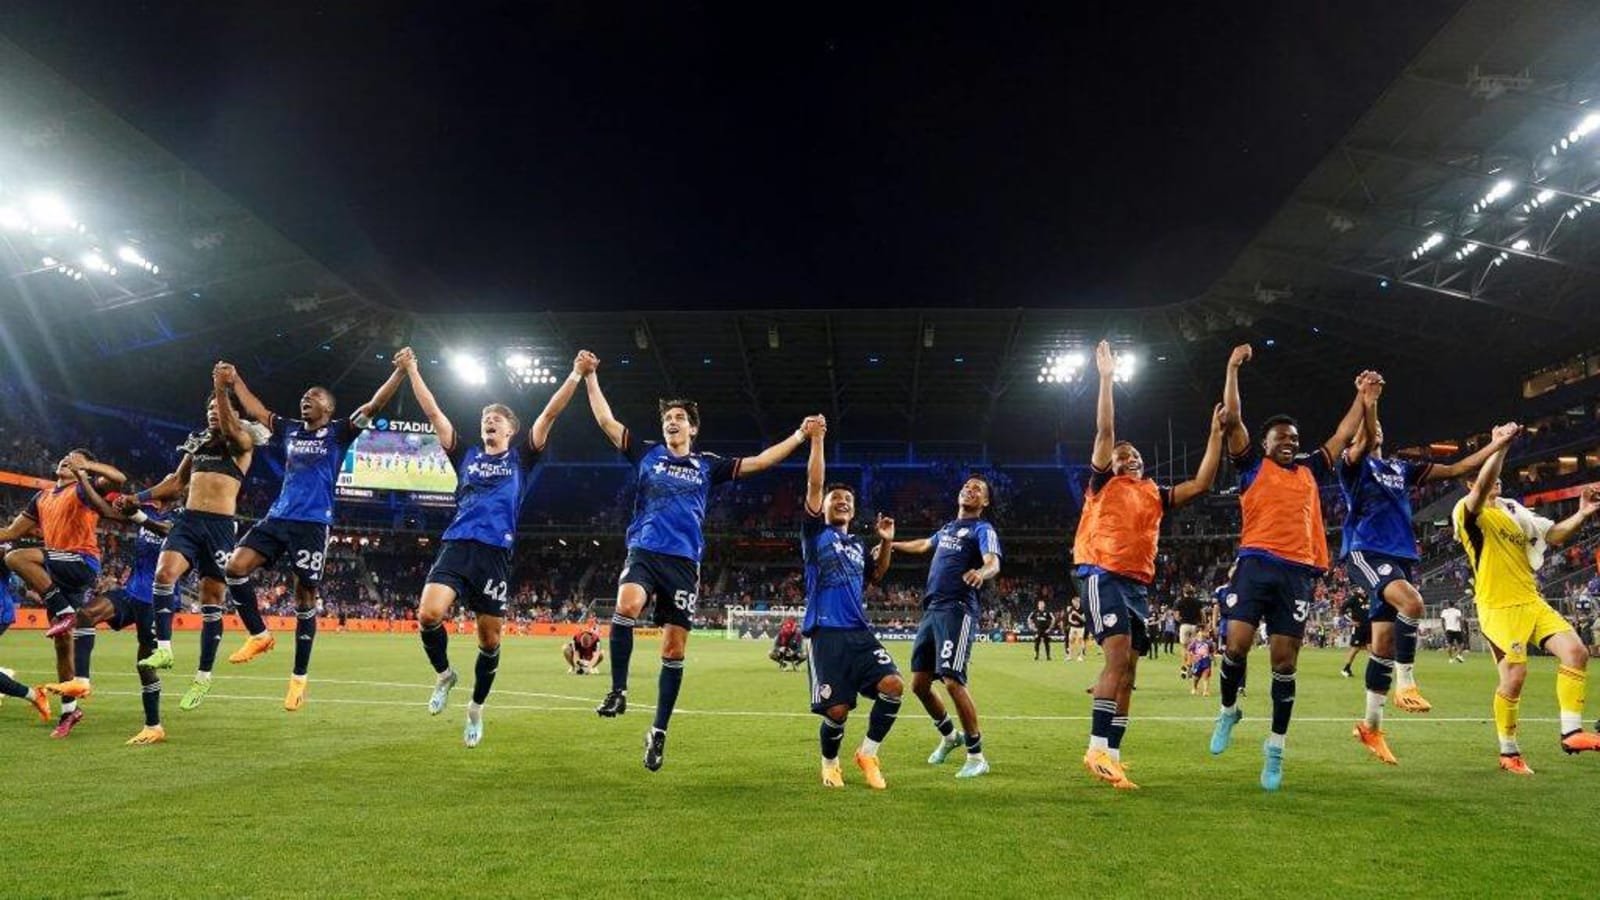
(1328, 286)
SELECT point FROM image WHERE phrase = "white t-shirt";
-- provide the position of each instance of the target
(1452, 618)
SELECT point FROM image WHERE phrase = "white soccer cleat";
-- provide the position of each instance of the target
(974, 767)
(441, 692)
(473, 733)
(942, 752)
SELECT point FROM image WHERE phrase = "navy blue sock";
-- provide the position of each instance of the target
(621, 651)
(945, 726)
(1100, 716)
(884, 711)
(210, 635)
(667, 692)
(243, 594)
(54, 603)
(162, 600)
(1119, 727)
(435, 641)
(1405, 640)
(82, 650)
(831, 734)
(10, 687)
(974, 745)
(150, 694)
(1282, 701)
(483, 674)
(1232, 679)
(305, 634)
(1380, 674)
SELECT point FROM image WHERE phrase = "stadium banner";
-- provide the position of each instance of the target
(909, 634)
(36, 619)
(1555, 496)
(396, 457)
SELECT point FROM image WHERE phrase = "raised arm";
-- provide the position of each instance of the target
(1335, 444)
(253, 407)
(1105, 431)
(384, 393)
(228, 421)
(1588, 504)
(1490, 473)
(615, 431)
(540, 432)
(1468, 464)
(1366, 437)
(817, 471)
(106, 474)
(92, 496)
(778, 452)
(1238, 436)
(915, 548)
(885, 547)
(1185, 493)
(430, 407)
(168, 487)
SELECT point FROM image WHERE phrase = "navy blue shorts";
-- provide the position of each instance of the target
(1374, 571)
(72, 575)
(672, 583)
(1117, 605)
(845, 663)
(1277, 593)
(943, 644)
(304, 544)
(478, 573)
(205, 539)
(130, 610)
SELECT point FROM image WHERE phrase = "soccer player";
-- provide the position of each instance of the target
(1199, 652)
(1077, 626)
(132, 604)
(474, 561)
(65, 570)
(1455, 631)
(788, 648)
(1354, 608)
(846, 660)
(583, 653)
(1283, 549)
(295, 529)
(1115, 553)
(1041, 621)
(1505, 544)
(665, 543)
(966, 554)
(210, 474)
(1380, 550)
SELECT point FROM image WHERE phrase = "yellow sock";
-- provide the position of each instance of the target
(1506, 710)
(1571, 686)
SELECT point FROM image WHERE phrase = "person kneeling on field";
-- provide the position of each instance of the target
(789, 648)
(583, 653)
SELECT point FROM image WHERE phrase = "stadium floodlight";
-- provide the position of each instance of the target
(1063, 368)
(50, 211)
(12, 219)
(1467, 250)
(1501, 188)
(1539, 199)
(94, 262)
(469, 369)
(525, 370)
(1428, 243)
(133, 257)
(1127, 365)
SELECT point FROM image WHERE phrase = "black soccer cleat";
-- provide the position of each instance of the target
(655, 749)
(615, 704)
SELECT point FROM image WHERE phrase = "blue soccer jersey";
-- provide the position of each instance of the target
(311, 460)
(490, 489)
(146, 553)
(1378, 495)
(836, 566)
(958, 548)
(669, 509)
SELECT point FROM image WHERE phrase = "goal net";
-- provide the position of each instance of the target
(759, 624)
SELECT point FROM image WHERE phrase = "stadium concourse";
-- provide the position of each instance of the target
(1059, 567)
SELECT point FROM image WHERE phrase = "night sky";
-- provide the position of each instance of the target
(686, 156)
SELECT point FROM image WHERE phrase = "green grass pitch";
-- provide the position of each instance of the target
(363, 794)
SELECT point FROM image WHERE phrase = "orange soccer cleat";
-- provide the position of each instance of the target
(832, 776)
(296, 697)
(1410, 700)
(254, 647)
(1512, 762)
(41, 702)
(1102, 766)
(148, 735)
(871, 771)
(1373, 738)
(1579, 741)
(76, 689)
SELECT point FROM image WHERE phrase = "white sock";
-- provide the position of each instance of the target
(444, 676)
(974, 757)
(1405, 676)
(164, 645)
(1375, 703)
(30, 696)
(1570, 722)
(1116, 753)
(299, 678)
(1275, 740)
(869, 747)
(1097, 743)
(68, 706)
(202, 676)
(474, 712)
(1509, 745)
(830, 763)
(1231, 709)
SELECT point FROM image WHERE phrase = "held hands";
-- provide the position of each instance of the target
(1241, 355)
(1222, 420)
(885, 527)
(223, 374)
(814, 427)
(1104, 360)
(1503, 434)
(1589, 500)
(1369, 385)
(405, 359)
(585, 364)
(127, 504)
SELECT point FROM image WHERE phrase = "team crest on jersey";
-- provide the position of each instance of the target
(825, 692)
(1385, 569)
(322, 432)
(961, 532)
(1232, 600)
(1110, 621)
(1516, 647)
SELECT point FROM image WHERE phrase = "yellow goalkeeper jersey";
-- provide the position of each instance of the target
(1497, 550)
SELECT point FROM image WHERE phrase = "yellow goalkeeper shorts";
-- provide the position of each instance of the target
(1513, 629)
